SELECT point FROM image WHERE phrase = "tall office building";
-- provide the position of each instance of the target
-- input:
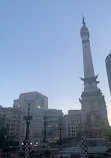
(35, 99)
(45, 122)
(72, 123)
(108, 69)
(44, 126)
(11, 118)
(94, 114)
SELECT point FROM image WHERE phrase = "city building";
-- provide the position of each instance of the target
(35, 99)
(2, 117)
(11, 119)
(54, 121)
(108, 69)
(72, 123)
(44, 127)
(94, 121)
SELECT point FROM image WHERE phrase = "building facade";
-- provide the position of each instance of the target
(72, 123)
(11, 119)
(44, 127)
(2, 117)
(108, 69)
(35, 99)
(94, 113)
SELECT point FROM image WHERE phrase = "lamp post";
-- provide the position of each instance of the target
(27, 118)
(60, 128)
(45, 132)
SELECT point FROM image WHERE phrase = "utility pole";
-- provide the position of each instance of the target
(27, 118)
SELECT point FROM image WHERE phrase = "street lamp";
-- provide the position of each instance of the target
(27, 118)
(45, 132)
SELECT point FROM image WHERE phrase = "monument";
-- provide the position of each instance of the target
(93, 106)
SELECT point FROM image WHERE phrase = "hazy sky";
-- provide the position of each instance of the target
(41, 49)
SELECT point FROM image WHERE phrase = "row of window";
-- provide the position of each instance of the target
(73, 127)
(72, 134)
(13, 129)
(72, 131)
(8, 120)
(14, 134)
(13, 125)
(74, 124)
